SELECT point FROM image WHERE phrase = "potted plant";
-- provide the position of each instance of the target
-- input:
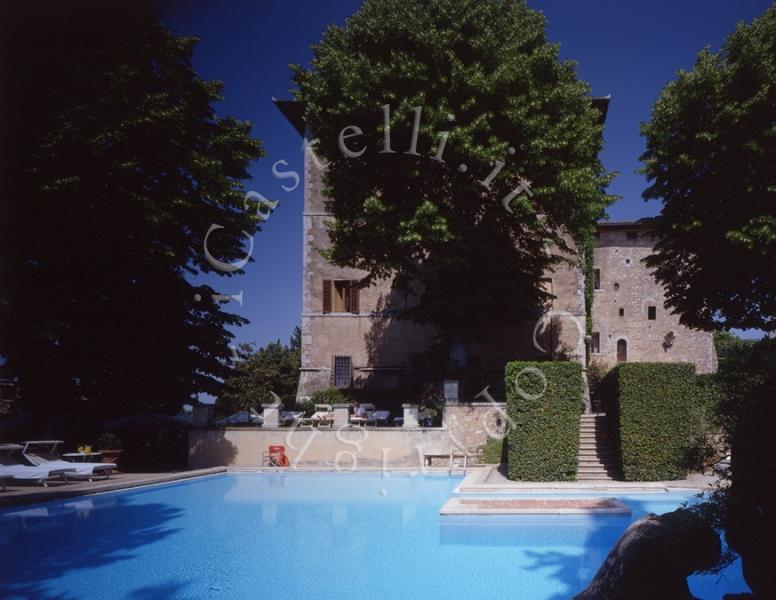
(109, 446)
(426, 416)
(431, 401)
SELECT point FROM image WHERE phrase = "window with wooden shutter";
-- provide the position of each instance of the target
(327, 295)
(344, 296)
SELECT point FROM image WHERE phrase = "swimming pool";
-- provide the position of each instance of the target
(297, 535)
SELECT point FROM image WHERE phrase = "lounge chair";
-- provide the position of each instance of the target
(242, 417)
(10, 468)
(290, 417)
(43, 453)
(369, 409)
(322, 417)
(379, 417)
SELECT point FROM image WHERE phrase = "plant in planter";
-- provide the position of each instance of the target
(426, 416)
(431, 401)
(109, 446)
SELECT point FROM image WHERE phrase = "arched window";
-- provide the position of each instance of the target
(622, 351)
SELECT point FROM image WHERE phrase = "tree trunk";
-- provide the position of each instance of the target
(653, 558)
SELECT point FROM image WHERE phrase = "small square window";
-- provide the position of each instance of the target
(633, 235)
(651, 313)
(627, 261)
(595, 344)
(622, 312)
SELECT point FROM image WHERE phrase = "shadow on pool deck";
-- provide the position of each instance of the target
(86, 533)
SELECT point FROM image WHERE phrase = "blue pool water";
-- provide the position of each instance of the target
(294, 536)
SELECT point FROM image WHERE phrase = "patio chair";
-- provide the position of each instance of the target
(43, 453)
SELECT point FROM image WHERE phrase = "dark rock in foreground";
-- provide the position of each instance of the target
(654, 557)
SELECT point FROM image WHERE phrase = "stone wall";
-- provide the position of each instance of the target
(465, 426)
(627, 285)
(471, 424)
(371, 447)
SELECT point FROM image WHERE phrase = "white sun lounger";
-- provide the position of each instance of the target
(42, 453)
(10, 468)
(379, 417)
(323, 417)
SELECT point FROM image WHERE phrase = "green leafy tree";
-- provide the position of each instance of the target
(483, 71)
(114, 167)
(747, 381)
(711, 150)
(260, 373)
(726, 343)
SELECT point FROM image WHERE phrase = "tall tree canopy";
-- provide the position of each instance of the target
(711, 151)
(114, 168)
(483, 71)
(273, 368)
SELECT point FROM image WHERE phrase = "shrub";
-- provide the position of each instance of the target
(109, 441)
(329, 396)
(656, 411)
(543, 441)
(492, 451)
(307, 406)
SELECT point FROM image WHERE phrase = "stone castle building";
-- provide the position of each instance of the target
(353, 338)
(630, 322)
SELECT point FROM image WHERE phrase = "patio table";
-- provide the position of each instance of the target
(82, 456)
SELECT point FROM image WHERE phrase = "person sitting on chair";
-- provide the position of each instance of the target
(359, 411)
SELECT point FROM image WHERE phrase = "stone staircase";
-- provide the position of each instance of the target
(596, 459)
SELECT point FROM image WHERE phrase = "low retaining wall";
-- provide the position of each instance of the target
(343, 449)
(464, 426)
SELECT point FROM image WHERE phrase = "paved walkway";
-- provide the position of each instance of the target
(17, 494)
(491, 479)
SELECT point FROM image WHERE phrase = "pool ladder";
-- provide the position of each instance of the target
(451, 465)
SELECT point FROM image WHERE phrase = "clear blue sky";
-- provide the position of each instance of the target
(627, 48)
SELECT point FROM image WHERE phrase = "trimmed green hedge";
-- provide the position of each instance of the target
(543, 441)
(656, 412)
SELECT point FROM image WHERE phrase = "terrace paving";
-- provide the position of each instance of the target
(18, 493)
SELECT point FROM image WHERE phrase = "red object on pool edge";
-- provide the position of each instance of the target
(277, 456)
